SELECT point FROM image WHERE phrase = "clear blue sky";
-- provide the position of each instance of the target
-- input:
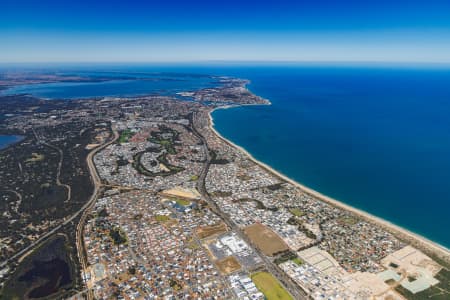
(159, 31)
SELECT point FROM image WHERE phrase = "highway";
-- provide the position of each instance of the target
(269, 265)
(88, 206)
(295, 291)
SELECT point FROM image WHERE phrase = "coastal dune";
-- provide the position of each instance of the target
(431, 248)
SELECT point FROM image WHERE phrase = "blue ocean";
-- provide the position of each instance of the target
(6, 140)
(374, 137)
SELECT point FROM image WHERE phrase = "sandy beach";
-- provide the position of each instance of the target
(412, 238)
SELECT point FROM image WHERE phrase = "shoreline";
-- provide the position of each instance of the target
(416, 240)
(18, 139)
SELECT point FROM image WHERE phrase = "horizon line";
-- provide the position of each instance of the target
(225, 61)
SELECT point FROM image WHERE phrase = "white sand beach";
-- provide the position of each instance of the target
(414, 239)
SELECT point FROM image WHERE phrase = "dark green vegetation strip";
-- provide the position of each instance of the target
(301, 227)
(137, 164)
(285, 256)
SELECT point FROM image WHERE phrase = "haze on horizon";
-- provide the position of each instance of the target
(183, 31)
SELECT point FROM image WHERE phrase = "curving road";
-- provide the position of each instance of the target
(295, 291)
(88, 206)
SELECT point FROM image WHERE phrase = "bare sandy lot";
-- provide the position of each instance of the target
(228, 265)
(265, 239)
(207, 231)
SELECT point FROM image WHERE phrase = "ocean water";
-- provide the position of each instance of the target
(377, 138)
(6, 140)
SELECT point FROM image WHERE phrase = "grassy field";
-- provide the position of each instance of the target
(270, 286)
(183, 202)
(166, 144)
(125, 136)
(162, 218)
(296, 212)
(298, 261)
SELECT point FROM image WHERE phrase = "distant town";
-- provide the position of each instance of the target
(140, 198)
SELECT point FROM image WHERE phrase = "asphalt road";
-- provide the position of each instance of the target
(269, 265)
(88, 206)
(295, 291)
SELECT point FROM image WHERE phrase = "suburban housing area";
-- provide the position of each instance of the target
(159, 206)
